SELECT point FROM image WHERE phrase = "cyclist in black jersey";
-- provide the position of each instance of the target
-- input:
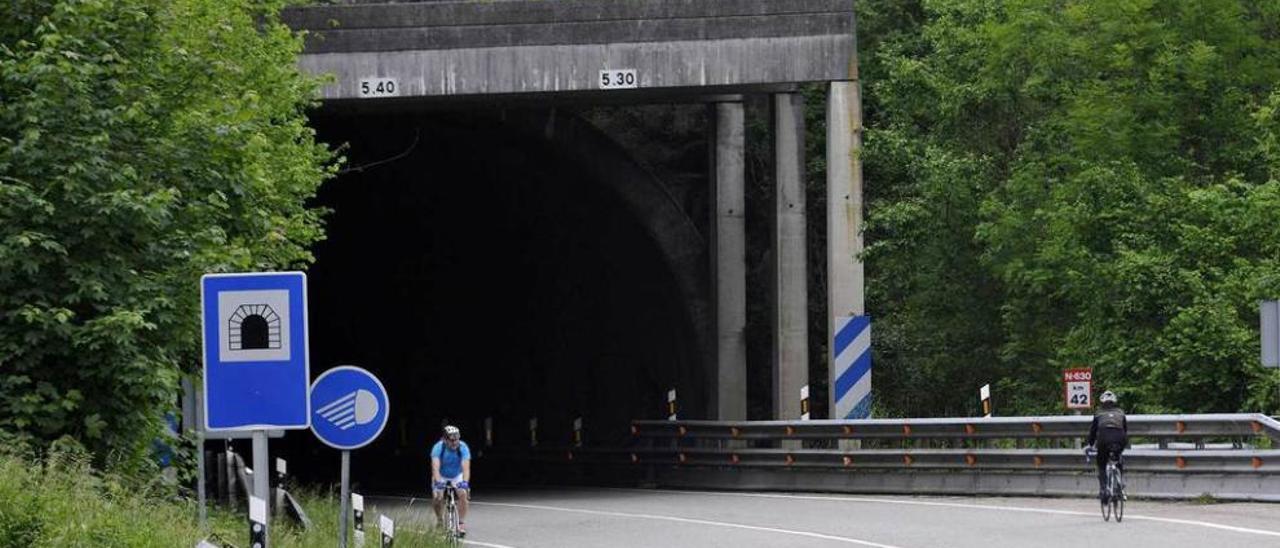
(1109, 433)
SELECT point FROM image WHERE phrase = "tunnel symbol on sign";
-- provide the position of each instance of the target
(254, 327)
(356, 408)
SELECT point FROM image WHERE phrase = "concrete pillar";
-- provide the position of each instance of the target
(728, 256)
(789, 267)
(845, 291)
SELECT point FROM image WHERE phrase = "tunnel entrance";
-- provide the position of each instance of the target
(480, 272)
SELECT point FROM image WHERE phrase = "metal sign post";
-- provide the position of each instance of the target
(261, 474)
(256, 362)
(351, 408)
(346, 499)
(1270, 327)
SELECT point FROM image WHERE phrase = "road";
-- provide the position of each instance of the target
(567, 518)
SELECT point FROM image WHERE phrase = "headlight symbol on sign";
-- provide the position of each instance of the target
(356, 408)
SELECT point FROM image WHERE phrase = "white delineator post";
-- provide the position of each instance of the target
(671, 404)
(984, 394)
(388, 529)
(258, 520)
(804, 403)
(357, 507)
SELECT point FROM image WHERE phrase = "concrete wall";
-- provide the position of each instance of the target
(547, 46)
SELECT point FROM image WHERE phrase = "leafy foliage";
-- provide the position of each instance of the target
(142, 143)
(1072, 183)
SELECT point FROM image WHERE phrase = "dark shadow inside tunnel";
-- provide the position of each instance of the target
(479, 272)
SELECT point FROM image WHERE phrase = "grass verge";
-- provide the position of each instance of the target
(62, 501)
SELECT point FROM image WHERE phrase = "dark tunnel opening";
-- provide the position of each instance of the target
(479, 273)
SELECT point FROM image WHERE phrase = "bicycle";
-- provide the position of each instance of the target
(1113, 491)
(452, 536)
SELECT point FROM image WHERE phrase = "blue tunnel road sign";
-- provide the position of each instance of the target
(256, 362)
(350, 407)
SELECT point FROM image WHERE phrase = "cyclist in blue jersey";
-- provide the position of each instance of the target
(451, 463)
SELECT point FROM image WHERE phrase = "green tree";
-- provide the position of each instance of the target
(1112, 165)
(142, 143)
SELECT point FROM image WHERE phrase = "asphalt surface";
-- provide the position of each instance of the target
(568, 518)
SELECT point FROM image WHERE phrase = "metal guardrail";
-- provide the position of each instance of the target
(902, 456)
(1140, 426)
(1047, 460)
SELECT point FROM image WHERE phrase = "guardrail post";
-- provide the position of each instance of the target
(232, 494)
(220, 477)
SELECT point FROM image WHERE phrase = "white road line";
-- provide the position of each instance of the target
(1211, 525)
(464, 541)
(486, 544)
(809, 534)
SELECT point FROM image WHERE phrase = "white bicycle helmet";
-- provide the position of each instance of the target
(1107, 397)
(452, 432)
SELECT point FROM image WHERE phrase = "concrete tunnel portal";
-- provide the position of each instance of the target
(489, 255)
(504, 264)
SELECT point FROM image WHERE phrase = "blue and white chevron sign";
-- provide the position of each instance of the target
(851, 367)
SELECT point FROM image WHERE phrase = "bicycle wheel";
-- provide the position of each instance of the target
(1117, 502)
(1106, 510)
(451, 524)
(455, 521)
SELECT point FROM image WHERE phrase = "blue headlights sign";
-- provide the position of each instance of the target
(256, 362)
(349, 407)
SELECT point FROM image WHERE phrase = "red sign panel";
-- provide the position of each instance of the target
(1077, 387)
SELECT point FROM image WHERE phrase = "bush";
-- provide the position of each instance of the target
(62, 500)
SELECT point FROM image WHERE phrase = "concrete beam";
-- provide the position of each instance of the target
(576, 68)
(728, 243)
(382, 14)
(398, 38)
(455, 48)
(789, 267)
